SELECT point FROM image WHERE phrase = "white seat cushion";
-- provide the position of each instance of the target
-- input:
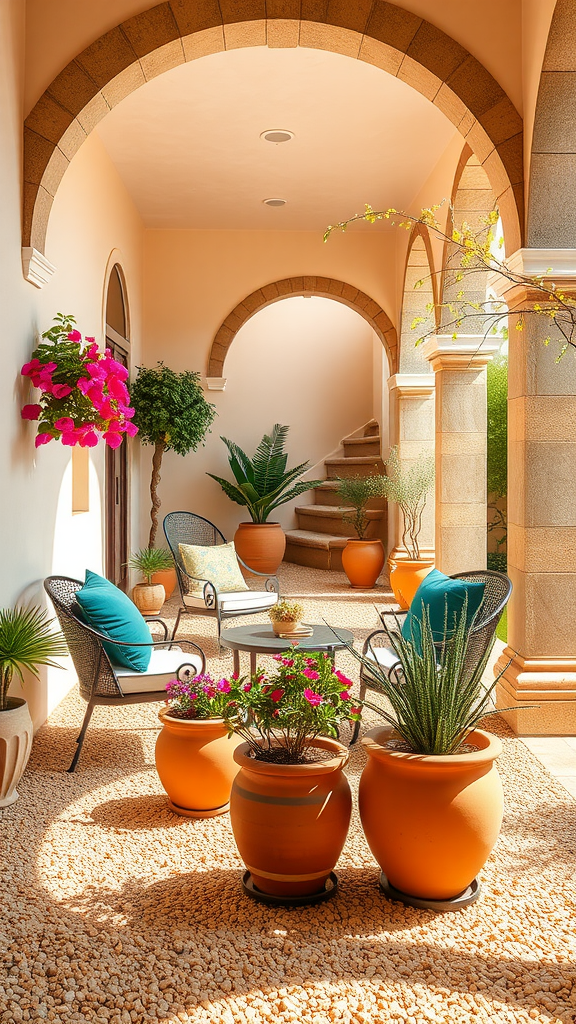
(162, 668)
(235, 601)
(386, 658)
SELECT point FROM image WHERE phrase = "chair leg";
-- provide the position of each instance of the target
(181, 611)
(358, 723)
(80, 740)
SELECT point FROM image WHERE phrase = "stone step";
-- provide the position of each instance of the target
(361, 445)
(316, 550)
(327, 494)
(372, 428)
(357, 465)
(329, 519)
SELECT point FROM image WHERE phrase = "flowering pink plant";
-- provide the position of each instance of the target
(281, 714)
(84, 391)
(200, 697)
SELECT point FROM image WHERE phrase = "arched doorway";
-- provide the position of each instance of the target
(116, 472)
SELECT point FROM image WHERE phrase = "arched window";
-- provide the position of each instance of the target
(117, 489)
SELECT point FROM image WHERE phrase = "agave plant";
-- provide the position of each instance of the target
(263, 483)
(27, 640)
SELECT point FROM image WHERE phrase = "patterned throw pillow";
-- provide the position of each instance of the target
(217, 563)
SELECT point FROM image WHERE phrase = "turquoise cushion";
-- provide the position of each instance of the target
(439, 593)
(111, 612)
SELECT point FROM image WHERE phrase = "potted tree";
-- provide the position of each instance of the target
(171, 414)
(362, 558)
(150, 563)
(290, 802)
(194, 751)
(409, 487)
(27, 641)
(261, 485)
(286, 616)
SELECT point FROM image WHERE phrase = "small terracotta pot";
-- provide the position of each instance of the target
(15, 747)
(285, 627)
(149, 597)
(290, 821)
(363, 561)
(260, 545)
(430, 821)
(168, 579)
(406, 575)
(195, 762)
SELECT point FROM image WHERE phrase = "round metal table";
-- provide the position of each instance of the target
(263, 640)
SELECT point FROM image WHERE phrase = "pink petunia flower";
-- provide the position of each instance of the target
(344, 695)
(31, 412)
(311, 674)
(89, 439)
(64, 423)
(70, 437)
(313, 698)
(61, 390)
(30, 367)
(276, 695)
(131, 429)
(343, 679)
(42, 439)
(247, 687)
(74, 336)
(113, 440)
(117, 389)
(223, 685)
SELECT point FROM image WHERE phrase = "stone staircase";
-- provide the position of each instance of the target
(322, 532)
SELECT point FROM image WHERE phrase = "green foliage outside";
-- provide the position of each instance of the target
(497, 451)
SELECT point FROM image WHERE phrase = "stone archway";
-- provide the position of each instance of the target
(174, 32)
(325, 287)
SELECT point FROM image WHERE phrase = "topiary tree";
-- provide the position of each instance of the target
(172, 414)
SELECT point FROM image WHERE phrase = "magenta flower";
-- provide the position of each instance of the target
(31, 412)
(247, 687)
(131, 429)
(70, 437)
(276, 695)
(84, 384)
(223, 685)
(117, 389)
(89, 439)
(313, 698)
(30, 367)
(355, 711)
(113, 440)
(89, 339)
(310, 674)
(42, 439)
(64, 423)
(344, 695)
(61, 390)
(74, 336)
(209, 691)
(343, 679)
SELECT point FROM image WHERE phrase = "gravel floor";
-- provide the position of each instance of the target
(116, 910)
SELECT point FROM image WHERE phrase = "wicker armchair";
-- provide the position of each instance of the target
(497, 590)
(188, 528)
(102, 682)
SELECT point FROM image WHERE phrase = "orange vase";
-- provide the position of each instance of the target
(167, 577)
(195, 762)
(430, 821)
(406, 575)
(260, 545)
(290, 821)
(363, 561)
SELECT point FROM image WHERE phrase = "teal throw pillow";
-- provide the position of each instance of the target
(111, 612)
(440, 595)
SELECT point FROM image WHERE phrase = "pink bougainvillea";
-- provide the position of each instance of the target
(83, 391)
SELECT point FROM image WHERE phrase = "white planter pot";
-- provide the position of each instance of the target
(15, 747)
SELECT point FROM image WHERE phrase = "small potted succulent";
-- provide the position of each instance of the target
(286, 616)
(149, 596)
(290, 802)
(362, 558)
(194, 751)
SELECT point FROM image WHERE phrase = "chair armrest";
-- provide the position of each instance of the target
(156, 618)
(273, 580)
(131, 643)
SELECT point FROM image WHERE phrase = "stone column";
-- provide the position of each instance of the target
(460, 369)
(541, 513)
(412, 430)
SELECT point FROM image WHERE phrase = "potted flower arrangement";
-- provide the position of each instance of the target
(362, 559)
(150, 596)
(409, 489)
(27, 640)
(84, 391)
(194, 751)
(286, 616)
(290, 802)
(263, 484)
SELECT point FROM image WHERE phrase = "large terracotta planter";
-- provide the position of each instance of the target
(260, 545)
(430, 821)
(290, 821)
(195, 762)
(168, 579)
(363, 561)
(149, 597)
(406, 575)
(15, 747)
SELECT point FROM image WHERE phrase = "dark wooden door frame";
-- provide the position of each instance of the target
(117, 489)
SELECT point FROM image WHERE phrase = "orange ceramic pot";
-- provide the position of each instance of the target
(406, 575)
(195, 762)
(167, 577)
(363, 561)
(290, 821)
(430, 821)
(260, 545)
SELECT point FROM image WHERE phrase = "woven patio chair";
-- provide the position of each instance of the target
(497, 590)
(188, 528)
(100, 681)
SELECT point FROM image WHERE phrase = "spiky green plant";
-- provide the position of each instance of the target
(408, 487)
(436, 700)
(27, 640)
(263, 483)
(356, 492)
(147, 561)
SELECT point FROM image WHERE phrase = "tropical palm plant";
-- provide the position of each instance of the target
(27, 640)
(263, 483)
(148, 561)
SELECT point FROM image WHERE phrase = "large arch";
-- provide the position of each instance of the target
(325, 287)
(419, 267)
(174, 32)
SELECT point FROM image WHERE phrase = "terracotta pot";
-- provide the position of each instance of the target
(15, 747)
(195, 762)
(168, 579)
(149, 597)
(290, 821)
(363, 561)
(406, 575)
(285, 627)
(430, 821)
(260, 545)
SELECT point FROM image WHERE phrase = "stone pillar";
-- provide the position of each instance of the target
(412, 430)
(541, 513)
(460, 369)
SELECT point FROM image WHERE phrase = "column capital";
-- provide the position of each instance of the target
(412, 385)
(557, 265)
(466, 352)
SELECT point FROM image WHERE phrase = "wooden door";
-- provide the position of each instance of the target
(117, 483)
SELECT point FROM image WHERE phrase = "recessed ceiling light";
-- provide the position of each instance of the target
(277, 135)
(274, 202)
